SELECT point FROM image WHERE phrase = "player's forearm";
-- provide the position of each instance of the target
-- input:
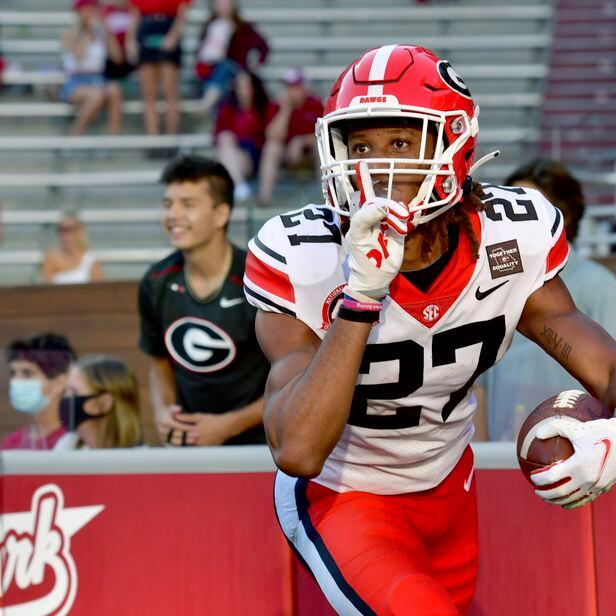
(609, 397)
(581, 346)
(586, 351)
(306, 418)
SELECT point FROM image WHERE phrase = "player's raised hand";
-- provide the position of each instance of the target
(375, 239)
(588, 472)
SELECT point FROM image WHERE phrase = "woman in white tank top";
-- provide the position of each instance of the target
(85, 50)
(71, 262)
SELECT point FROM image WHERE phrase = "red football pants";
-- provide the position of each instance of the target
(409, 554)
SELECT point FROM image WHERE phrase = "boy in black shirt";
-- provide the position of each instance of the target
(207, 372)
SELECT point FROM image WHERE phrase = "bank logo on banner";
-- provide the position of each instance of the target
(38, 576)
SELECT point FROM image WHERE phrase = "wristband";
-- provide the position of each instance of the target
(358, 316)
(353, 304)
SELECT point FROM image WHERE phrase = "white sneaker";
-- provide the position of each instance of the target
(242, 192)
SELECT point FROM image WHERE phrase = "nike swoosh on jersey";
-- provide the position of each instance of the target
(479, 294)
(469, 479)
(608, 449)
(228, 303)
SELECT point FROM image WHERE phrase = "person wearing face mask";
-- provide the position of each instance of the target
(100, 406)
(38, 368)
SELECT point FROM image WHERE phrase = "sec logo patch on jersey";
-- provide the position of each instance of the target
(199, 345)
(431, 313)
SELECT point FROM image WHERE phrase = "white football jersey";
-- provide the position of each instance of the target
(411, 416)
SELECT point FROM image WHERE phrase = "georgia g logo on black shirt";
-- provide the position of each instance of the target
(199, 345)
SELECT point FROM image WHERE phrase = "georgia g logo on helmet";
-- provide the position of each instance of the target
(199, 345)
(452, 78)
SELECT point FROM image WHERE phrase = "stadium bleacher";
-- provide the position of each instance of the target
(502, 51)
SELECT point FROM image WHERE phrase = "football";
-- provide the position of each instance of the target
(534, 453)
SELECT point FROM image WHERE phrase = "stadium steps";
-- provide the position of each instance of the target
(43, 179)
(577, 116)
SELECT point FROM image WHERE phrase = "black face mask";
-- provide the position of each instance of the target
(72, 413)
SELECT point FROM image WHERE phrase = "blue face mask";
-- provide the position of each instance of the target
(26, 395)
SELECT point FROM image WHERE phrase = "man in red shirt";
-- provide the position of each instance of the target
(38, 369)
(289, 137)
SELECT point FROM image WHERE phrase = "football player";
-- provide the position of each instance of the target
(378, 310)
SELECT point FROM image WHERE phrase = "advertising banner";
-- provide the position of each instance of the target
(142, 544)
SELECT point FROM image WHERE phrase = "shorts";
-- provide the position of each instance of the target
(253, 152)
(150, 34)
(80, 80)
(115, 71)
(412, 553)
(219, 75)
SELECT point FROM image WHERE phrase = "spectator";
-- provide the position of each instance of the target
(100, 407)
(118, 18)
(240, 130)
(290, 138)
(227, 45)
(38, 367)
(71, 262)
(154, 41)
(85, 50)
(207, 371)
(526, 375)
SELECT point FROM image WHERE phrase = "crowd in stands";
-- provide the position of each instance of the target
(73, 403)
(227, 45)
(206, 371)
(86, 51)
(113, 39)
(92, 401)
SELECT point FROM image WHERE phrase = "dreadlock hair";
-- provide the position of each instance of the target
(458, 215)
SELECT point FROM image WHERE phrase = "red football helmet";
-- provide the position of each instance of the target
(401, 82)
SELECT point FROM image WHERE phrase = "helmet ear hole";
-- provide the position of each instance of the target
(457, 126)
(449, 185)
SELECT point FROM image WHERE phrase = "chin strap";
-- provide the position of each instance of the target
(338, 210)
(483, 160)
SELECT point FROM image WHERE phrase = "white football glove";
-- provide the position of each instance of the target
(587, 473)
(375, 239)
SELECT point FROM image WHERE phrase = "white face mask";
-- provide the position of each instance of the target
(26, 395)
